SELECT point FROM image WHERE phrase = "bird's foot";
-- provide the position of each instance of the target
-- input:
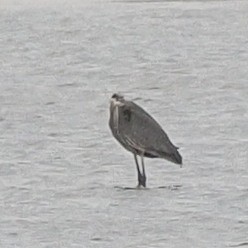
(142, 181)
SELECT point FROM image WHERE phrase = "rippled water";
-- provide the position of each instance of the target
(62, 174)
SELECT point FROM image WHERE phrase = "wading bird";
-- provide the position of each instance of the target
(140, 134)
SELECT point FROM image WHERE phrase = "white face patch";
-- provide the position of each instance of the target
(115, 102)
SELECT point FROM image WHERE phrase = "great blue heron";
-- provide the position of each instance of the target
(140, 134)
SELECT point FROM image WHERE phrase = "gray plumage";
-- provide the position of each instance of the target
(139, 133)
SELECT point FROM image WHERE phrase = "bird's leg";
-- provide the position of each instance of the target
(143, 171)
(140, 177)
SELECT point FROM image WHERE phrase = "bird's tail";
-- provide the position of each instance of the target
(174, 157)
(177, 158)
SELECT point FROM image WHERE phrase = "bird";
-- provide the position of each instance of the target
(139, 133)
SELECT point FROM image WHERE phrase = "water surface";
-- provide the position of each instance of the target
(62, 174)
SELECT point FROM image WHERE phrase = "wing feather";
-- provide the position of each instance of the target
(142, 131)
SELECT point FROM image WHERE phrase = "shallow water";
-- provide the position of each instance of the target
(62, 174)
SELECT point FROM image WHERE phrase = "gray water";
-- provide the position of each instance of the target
(62, 174)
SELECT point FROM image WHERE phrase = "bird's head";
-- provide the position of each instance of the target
(117, 100)
(117, 97)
